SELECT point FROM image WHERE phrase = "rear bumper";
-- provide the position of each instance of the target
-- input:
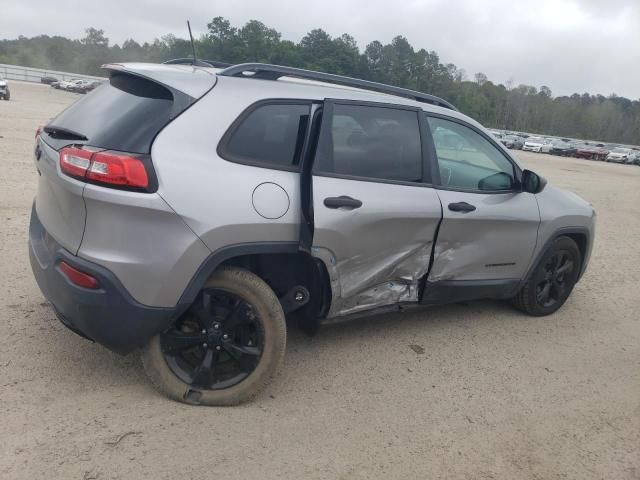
(108, 315)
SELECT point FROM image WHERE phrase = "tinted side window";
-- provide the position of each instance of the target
(467, 160)
(372, 142)
(271, 134)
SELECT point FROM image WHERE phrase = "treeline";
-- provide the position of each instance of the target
(521, 108)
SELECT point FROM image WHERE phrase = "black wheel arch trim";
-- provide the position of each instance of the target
(560, 232)
(215, 259)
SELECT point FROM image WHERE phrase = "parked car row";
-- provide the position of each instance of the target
(510, 140)
(76, 85)
(569, 148)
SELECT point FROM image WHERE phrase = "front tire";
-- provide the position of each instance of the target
(226, 348)
(552, 280)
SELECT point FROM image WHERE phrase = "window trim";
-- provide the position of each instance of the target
(426, 161)
(223, 145)
(517, 170)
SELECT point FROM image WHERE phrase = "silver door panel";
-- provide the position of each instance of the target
(496, 241)
(376, 254)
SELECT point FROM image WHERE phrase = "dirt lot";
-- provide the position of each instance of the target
(495, 395)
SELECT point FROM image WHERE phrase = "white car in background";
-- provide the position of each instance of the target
(4, 89)
(67, 84)
(533, 144)
(621, 155)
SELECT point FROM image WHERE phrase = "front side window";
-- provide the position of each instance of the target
(371, 142)
(272, 134)
(467, 160)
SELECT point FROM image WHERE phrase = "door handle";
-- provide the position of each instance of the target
(342, 201)
(462, 207)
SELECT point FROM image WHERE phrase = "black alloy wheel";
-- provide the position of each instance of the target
(552, 279)
(226, 348)
(217, 343)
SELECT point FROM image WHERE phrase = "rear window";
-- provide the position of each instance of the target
(125, 114)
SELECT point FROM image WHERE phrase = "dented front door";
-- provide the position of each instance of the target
(494, 241)
(375, 218)
(489, 226)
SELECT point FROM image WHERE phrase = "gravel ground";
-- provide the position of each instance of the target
(495, 394)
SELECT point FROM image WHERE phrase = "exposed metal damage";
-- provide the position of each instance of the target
(363, 280)
(452, 259)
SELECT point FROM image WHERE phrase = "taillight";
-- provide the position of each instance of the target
(105, 168)
(75, 161)
(78, 277)
(118, 169)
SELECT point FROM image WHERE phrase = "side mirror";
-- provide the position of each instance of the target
(532, 182)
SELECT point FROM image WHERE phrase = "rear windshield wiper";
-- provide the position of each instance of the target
(63, 133)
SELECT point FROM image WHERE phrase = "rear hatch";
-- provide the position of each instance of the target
(119, 120)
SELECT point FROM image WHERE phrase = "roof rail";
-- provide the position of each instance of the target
(265, 71)
(198, 63)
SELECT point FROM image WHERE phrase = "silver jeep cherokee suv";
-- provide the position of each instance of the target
(186, 210)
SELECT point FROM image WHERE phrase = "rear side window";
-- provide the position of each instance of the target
(126, 114)
(371, 142)
(270, 134)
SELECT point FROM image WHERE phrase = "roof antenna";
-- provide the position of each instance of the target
(193, 45)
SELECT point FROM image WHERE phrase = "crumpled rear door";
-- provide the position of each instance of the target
(375, 236)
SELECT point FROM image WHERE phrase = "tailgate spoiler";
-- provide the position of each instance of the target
(187, 79)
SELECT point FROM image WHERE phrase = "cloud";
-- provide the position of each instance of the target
(569, 45)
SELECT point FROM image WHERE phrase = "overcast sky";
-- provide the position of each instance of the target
(570, 45)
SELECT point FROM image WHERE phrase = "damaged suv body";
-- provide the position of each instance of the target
(186, 211)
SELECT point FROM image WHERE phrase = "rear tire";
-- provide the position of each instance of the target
(552, 280)
(258, 326)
